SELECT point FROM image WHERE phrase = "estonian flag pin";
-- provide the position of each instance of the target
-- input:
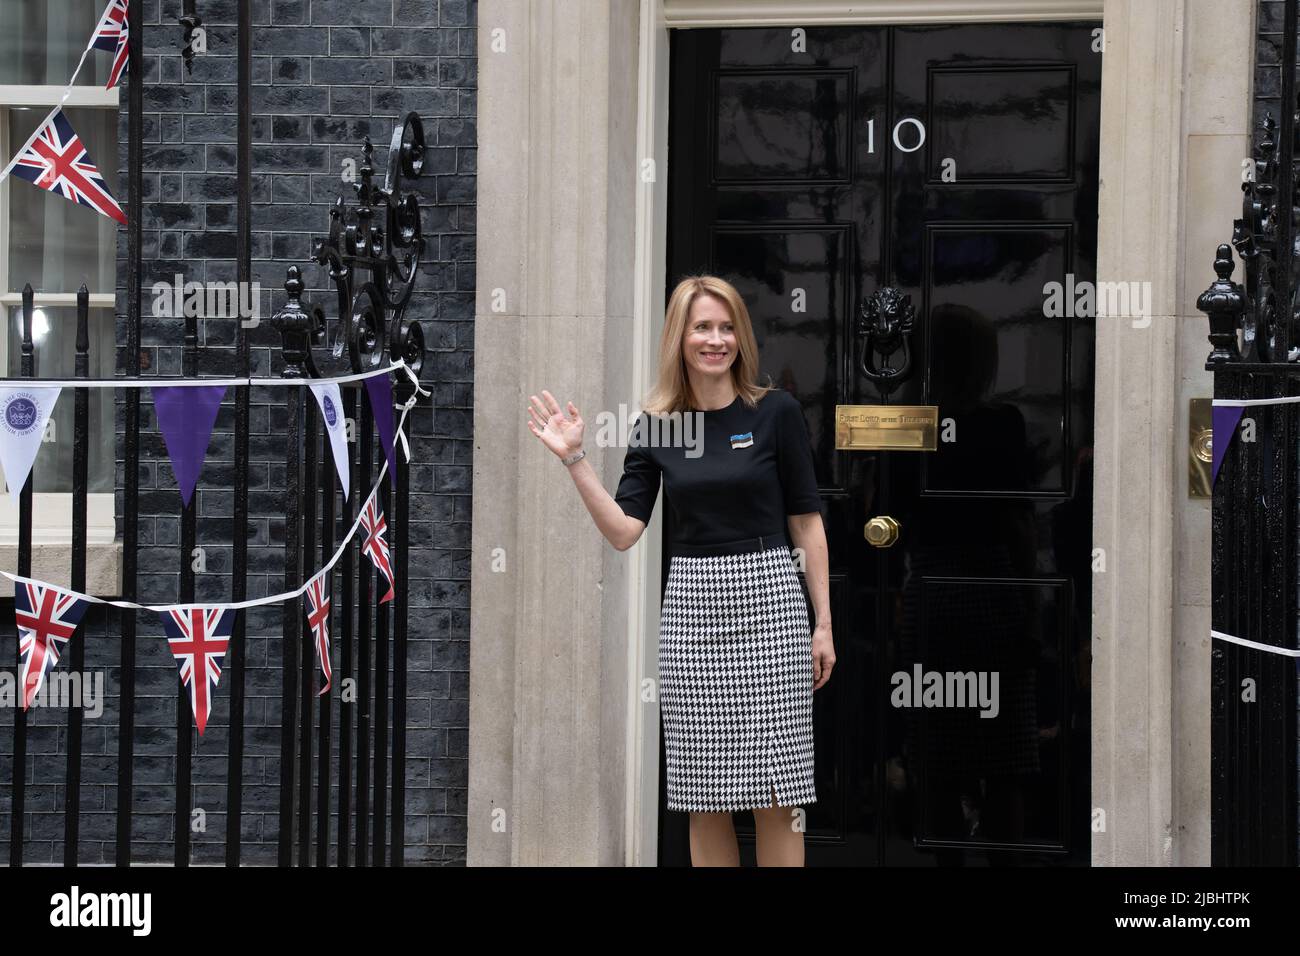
(742, 441)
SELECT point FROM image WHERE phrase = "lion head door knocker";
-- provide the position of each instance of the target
(884, 331)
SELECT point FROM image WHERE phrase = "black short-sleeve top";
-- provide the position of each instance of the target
(737, 476)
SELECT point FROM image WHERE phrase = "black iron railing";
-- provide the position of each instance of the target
(372, 256)
(1256, 521)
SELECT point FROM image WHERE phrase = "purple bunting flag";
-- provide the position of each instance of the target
(186, 415)
(380, 390)
(1225, 421)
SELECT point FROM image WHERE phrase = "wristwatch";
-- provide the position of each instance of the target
(574, 457)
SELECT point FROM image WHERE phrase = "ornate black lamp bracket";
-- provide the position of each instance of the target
(1249, 322)
(372, 254)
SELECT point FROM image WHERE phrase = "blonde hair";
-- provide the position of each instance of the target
(672, 390)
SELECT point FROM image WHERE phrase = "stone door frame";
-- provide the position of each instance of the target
(563, 738)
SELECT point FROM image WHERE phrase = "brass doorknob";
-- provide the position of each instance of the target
(881, 531)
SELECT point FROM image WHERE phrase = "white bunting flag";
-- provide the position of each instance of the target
(23, 414)
(330, 400)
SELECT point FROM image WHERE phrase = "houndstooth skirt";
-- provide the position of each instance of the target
(735, 673)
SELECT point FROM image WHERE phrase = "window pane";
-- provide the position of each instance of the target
(56, 244)
(54, 337)
(42, 40)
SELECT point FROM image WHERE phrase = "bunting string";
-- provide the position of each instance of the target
(254, 602)
(1255, 645)
(399, 365)
(186, 412)
(1250, 402)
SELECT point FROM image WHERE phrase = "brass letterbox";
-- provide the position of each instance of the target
(886, 427)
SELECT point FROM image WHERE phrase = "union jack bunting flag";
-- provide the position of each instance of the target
(55, 160)
(318, 616)
(372, 520)
(47, 619)
(198, 637)
(112, 35)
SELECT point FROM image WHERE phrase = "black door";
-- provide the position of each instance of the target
(958, 166)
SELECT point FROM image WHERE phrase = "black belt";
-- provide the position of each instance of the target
(743, 546)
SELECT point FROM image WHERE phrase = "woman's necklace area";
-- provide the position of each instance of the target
(721, 408)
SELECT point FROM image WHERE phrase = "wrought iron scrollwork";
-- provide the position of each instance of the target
(372, 254)
(884, 328)
(1259, 322)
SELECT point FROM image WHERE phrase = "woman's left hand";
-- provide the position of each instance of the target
(823, 654)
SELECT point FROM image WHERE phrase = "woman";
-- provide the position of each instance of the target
(737, 664)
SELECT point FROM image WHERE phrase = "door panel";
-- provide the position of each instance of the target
(782, 127)
(807, 349)
(989, 342)
(958, 165)
(975, 112)
(978, 778)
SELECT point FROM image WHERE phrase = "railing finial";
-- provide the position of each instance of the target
(1224, 302)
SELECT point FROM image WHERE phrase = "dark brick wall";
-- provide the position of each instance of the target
(1268, 65)
(325, 73)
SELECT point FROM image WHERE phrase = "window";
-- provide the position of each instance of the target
(57, 245)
